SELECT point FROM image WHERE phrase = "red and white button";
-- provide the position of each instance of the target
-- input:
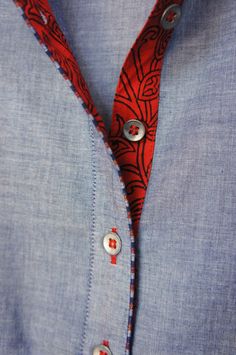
(101, 350)
(112, 243)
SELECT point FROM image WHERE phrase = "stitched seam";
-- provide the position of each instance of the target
(92, 239)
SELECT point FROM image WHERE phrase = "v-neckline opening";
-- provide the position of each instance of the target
(136, 96)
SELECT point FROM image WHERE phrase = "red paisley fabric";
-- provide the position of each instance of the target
(136, 97)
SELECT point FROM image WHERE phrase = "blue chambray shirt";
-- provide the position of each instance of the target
(60, 191)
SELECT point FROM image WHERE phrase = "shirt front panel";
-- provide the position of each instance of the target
(60, 194)
(187, 246)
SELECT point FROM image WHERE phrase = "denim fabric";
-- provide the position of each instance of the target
(60, 193)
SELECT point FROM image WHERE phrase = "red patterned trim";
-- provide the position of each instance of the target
(137, 97)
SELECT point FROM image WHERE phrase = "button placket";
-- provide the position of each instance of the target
(108, 313)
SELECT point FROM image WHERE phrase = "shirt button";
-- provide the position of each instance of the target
(171, 16)
(101, 350)
(134, 130)
(112, 243)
